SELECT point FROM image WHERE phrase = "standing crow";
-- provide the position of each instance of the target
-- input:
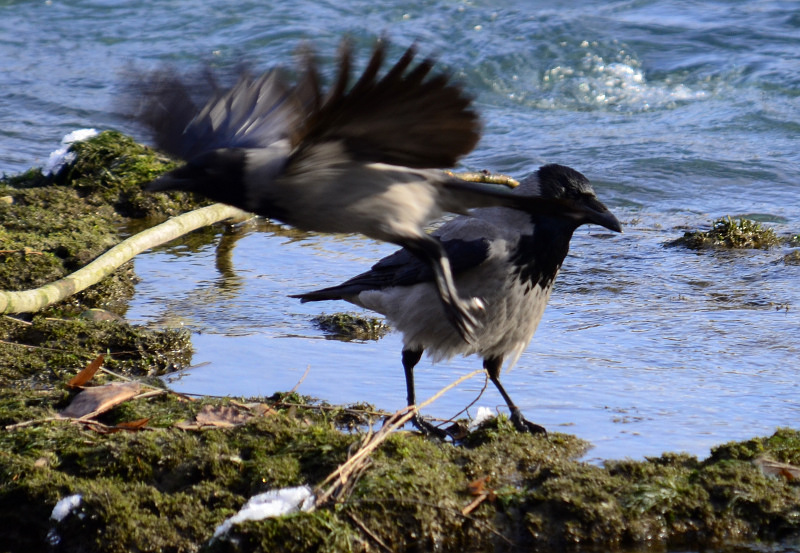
(505, 258)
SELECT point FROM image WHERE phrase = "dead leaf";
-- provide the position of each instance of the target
(222, 415)
(774, 468)
(225, 416)
(86, 373)
(478, 486)
(183, 425)
(133, 425)
(93, 401)
(258, 409)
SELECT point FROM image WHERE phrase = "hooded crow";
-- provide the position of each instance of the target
(506, 258)
(361, 158)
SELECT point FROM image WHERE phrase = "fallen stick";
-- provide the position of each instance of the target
(29, 301)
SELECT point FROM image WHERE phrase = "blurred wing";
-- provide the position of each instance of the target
(253, 113)
(407, 117)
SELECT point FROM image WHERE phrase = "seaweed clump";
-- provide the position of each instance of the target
(729, 234)
(112, 168)
(347, 326)
(51, 226)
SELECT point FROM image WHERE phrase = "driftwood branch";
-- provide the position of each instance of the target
(30, 301)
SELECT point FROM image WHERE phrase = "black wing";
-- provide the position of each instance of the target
(409, 116)
(254, 112)
(402, 268)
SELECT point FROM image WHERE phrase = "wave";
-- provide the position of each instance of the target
(587, 79)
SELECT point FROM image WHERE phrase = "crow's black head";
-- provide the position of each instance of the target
(562, 182)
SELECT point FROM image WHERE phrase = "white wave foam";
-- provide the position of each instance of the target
(614, 81)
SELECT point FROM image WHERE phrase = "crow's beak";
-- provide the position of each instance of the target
(595, 212)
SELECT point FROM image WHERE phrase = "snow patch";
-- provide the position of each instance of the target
(65, 506)
(61, 157)
(273, 503)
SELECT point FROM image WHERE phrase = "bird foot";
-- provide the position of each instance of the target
(524, 425)
(429, 429)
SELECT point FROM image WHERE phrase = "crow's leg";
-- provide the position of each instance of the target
(493, 366)
(429, 250)
(410, 358)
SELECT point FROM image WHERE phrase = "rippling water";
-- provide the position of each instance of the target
(679, 112)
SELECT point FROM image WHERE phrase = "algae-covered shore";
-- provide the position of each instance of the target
(160, 472)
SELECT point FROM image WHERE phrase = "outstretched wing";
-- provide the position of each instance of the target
(254, 113)
(410, 116)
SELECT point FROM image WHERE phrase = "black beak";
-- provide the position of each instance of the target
(595, 212)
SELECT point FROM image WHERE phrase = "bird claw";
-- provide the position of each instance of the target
(429, 429)
(524, 425)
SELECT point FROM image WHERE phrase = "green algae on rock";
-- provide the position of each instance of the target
(730, 234)
(49, 229)
(347, 326)
(166, 489)
(51, 226)
(111, 168)
(45, 350)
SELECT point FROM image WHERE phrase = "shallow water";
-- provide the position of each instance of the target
(679, 112)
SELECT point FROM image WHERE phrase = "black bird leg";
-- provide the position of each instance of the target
(492, 365)
(431, 252)
(410, 358)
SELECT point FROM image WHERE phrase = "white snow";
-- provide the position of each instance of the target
(483, 414)
(61, 157)
(273, 503)
(65, 506)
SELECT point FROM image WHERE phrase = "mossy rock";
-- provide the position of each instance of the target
(792, 258)
(112, 168)
(45, 350)
(167, 489)
(52, 226)
(726, 233)
(347, 326)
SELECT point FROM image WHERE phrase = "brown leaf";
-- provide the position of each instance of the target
(86, 373)
(478, 486)
(133, 425)
(222, 415)
(258, 409)
(183, 425)
(93, 401)
(774, 468)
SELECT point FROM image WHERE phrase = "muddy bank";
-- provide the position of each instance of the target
(160, 472)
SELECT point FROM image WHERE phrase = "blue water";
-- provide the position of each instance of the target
(679, 112)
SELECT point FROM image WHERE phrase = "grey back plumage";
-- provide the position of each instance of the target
(507, 258)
